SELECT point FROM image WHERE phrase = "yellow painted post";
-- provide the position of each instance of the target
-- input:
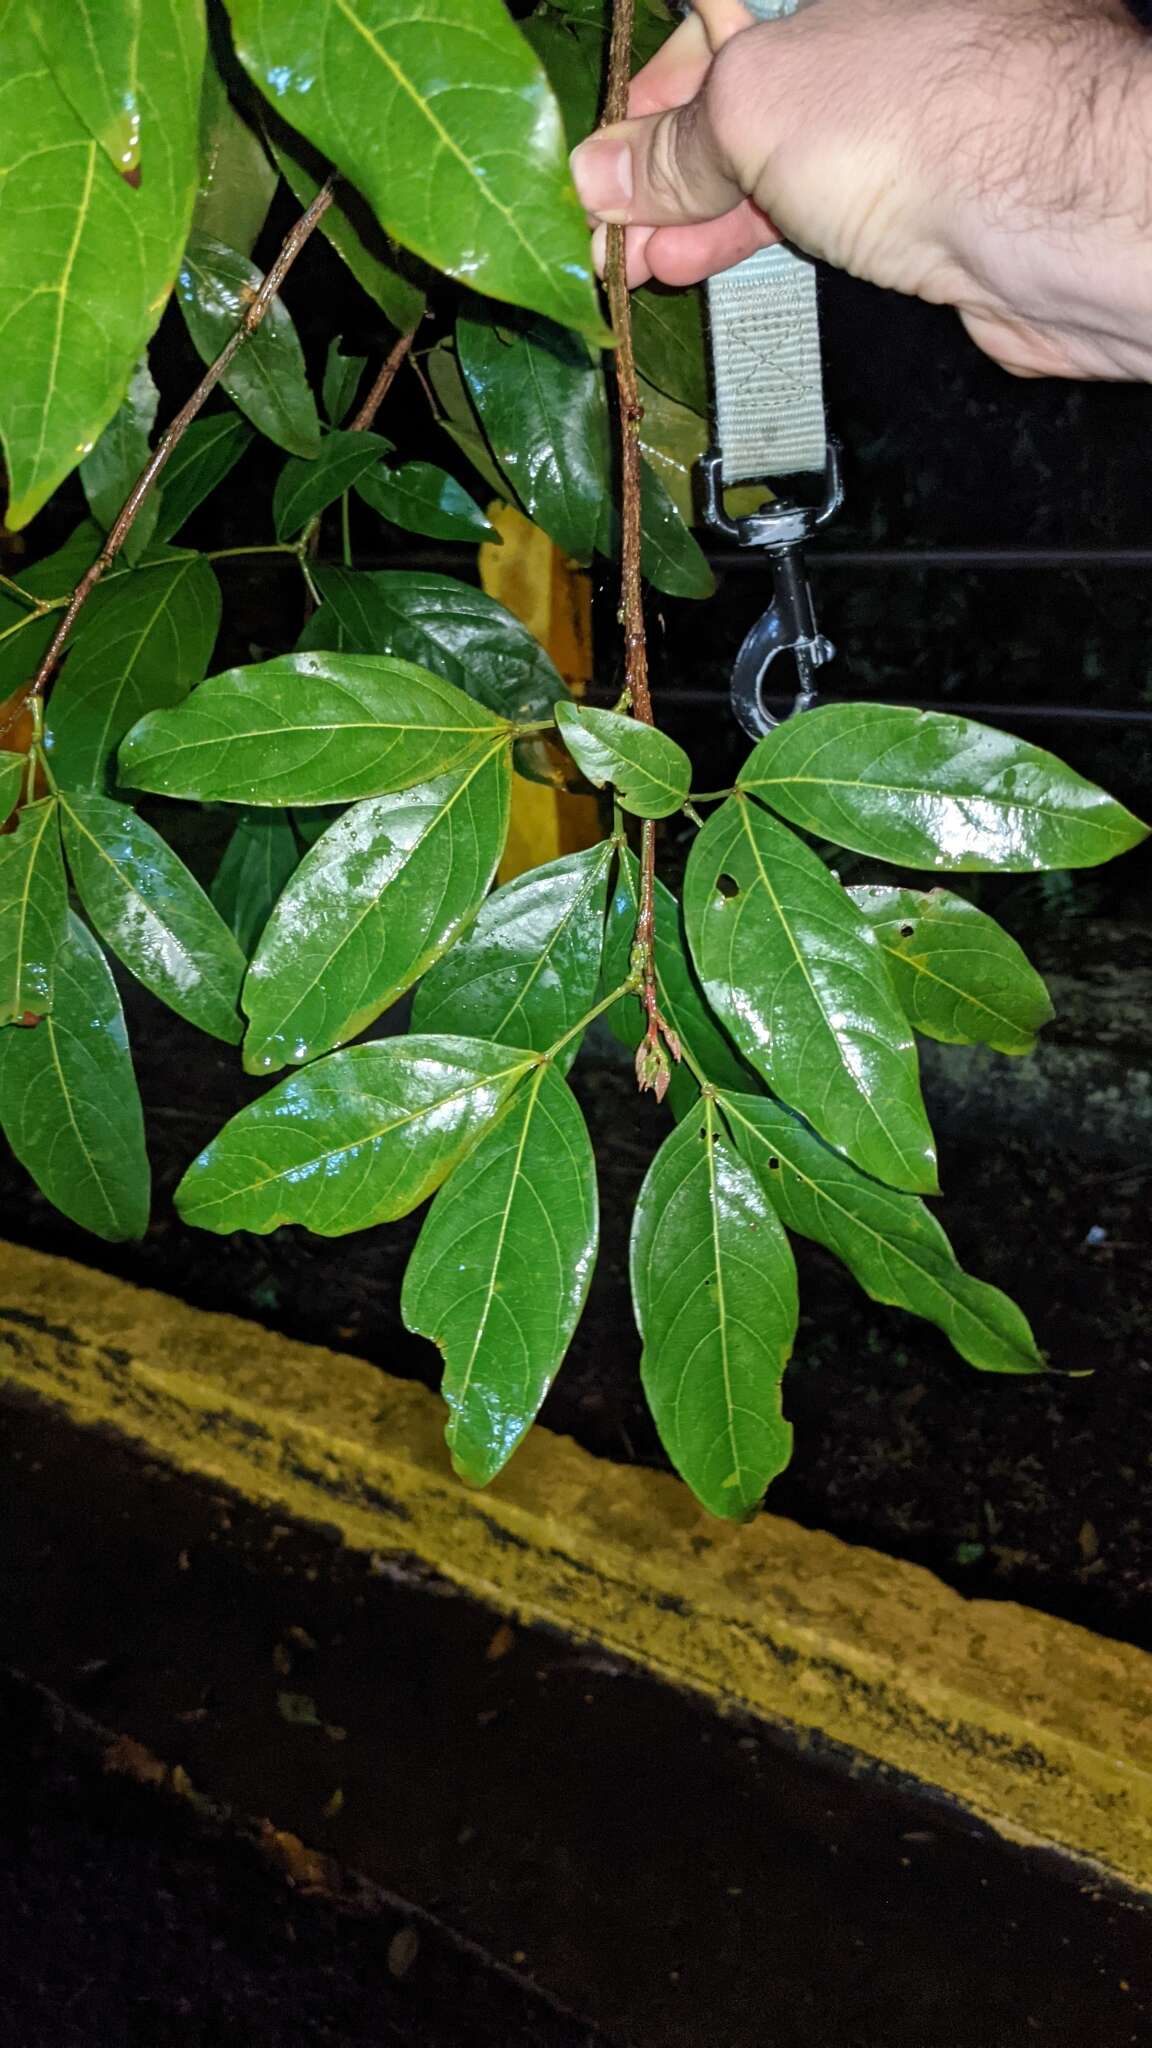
(534, 580)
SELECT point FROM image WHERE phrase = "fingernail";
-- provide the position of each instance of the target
(599, 248)
(602, 172)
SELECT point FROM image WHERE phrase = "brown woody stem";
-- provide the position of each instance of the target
(382, 386)
(174, 434)
(651, 1060)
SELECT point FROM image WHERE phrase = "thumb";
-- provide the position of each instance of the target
(662, 171)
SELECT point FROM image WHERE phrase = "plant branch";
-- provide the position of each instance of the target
(652, 1070)
(382, 386)
(173, 434)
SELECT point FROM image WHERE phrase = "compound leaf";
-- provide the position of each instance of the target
(714, 1287)
(798, 978)
(928, 790)
(153, 914)
(69, 1104)
(501, 1270)
(958, 974)
(889, 1242)
(356, 1139)
(649, 772)
(308, 729)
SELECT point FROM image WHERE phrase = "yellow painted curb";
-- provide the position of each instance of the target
(1039, 1727)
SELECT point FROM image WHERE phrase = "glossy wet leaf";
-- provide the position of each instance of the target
(448, 627)
(539, 392)
(371, 906)
(798, 977)
(528, 969)
(93, 52)
(207, 453)
(33, 908)
(356, 1139)
(928, 790)
(670, 557)
(237, 182)
(141, 643)
(458, 417)
(572, 53)
(267, 378)
(308, 729)
(13, 769)
(714, 1288)
(153, 914)
(350, 227)
(501, 1270)
(259, 859)
(69, 1104)
(649, 772)
(442, 116)
(424, 499)
(342, 374)
(110, 470)
(668, 333)
(959, 975)
(681, 1003)
(86, 260)
(673, 439)
(891, 1243)
(305, 488)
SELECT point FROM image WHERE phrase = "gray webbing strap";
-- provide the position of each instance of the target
(767, 376)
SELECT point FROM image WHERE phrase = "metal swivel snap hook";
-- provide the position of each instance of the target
(789, 625)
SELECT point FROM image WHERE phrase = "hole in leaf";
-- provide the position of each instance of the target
(773, 1164)
(728, 885)
(907, 930)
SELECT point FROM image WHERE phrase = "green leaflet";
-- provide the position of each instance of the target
(237, 181)
(528, 968)
(670, 556)
(423, 499)
(24, 635)
(958, 975)
(93, 52)
(153, 914)
(714, 1287)
(668, 333)
(86, 260)
(342, 376)
(69, 1104)
(13, 768)
(305, 488)
(890, 1242)
(109, 471)
(650, 773)
(33, 909)
(142, 642)
(501, 1270)
(259, 859)
(208, 451)
(673, 440)
(539, 392)
(457, 632)
(371, 906)
(681, 1003)
(267, 378)
(442, 116)
(457, 415)
(572, 53)
(349, 226)
(796, 975)
(359, 1138)
(927, 790)
(308, 729)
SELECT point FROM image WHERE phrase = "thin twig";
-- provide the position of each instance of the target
(174, 434)
(381, 387)
(652, 1069)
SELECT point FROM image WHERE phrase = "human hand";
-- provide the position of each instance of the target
(991, 155)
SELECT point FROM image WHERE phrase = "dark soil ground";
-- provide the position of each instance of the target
(537, 1832)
